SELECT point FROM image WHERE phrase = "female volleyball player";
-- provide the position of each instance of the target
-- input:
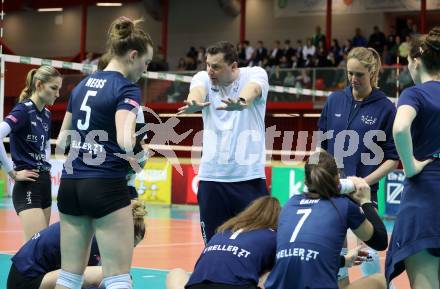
(241, 251)
(363, 112)
(415, 241)
(36, 265)
(93, 197)
(28, 125)
(220, 266)
(140, 143)
(312, 228)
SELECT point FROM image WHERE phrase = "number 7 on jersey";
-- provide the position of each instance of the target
(305, 213)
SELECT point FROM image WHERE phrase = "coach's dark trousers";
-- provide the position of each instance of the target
(220, 201)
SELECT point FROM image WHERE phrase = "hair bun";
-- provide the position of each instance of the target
(123, 27)
(432, 40)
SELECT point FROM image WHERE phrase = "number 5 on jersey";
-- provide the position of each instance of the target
(306, 214)
(87, 109)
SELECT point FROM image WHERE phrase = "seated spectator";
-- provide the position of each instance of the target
(260, 54)
(181, 64)
(308, 49)
(276, 76)
(276, 53)
(284, 63)
(377, 40)
(358, 39)
(289, 80)
(201, 57)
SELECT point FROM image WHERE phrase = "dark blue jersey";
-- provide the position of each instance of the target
(310, 236)
(235, 258)
(424, 98)
(365, 118)
(93, 104)
(417, 225)
(30, 135)
(42, 253)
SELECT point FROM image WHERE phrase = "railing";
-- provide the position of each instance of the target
(287, 85)
(315, 79)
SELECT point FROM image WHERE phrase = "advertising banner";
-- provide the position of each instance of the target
(153, 184)
(393, 192)
(287, 182)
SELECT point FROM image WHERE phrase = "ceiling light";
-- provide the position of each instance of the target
(55, 9)
(106, 4)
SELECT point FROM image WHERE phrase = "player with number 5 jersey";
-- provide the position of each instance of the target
(93, 105)
(93, 196)
(312, 228)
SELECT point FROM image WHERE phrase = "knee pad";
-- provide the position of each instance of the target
(372, 265)
(343, 272)
(70, 280)
(118, 282)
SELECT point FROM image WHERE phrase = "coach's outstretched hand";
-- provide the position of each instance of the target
(232, 105)
(191, 107)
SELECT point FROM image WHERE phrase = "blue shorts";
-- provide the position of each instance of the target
(220, 201)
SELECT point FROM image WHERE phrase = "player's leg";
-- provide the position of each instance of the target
(375, 281)
(422, 269)
(177, 279)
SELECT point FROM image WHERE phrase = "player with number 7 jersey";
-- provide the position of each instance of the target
(312, 228)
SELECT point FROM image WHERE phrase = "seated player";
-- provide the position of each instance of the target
(36, 265)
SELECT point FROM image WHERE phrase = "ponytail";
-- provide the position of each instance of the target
(44, 73)
(376, 70)
(139, 212)
(30, 87)
(322, 175)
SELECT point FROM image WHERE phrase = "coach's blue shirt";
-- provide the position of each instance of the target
(342, 113)
(235, 259)
(93, 104)
(310, 236)
(30, 134)
(42, 253)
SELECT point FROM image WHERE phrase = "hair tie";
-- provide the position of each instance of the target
(125, 18)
